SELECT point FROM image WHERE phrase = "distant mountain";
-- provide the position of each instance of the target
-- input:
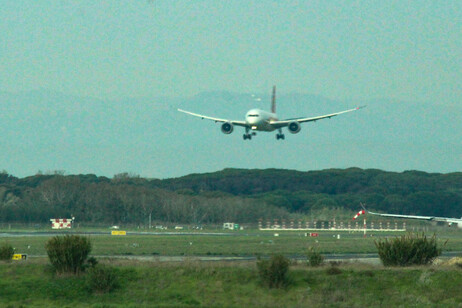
(46, 130)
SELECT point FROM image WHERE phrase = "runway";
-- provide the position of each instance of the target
(368, 258)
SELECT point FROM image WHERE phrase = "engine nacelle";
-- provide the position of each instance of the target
(294, 127)
(227, 128)
(457, 224)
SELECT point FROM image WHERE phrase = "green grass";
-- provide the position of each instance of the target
(148, 284)
(239, 244)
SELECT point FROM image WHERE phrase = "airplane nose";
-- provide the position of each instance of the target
(253, 121)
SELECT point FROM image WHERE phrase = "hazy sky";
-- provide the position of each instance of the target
(408, 50)
(405, 52)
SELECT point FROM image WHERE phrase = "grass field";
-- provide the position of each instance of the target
(248, 243)
(152, 284)
(31, 283)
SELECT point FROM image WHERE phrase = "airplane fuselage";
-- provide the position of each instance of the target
(259, 120)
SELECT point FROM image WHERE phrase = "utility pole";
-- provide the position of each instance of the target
(365, 227)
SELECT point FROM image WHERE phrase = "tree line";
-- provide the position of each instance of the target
(237, 195)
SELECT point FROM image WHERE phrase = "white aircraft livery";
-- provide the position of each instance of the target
(260, 120)
(450, 221)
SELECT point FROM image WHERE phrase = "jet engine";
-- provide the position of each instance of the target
(227, 128)
(457, 224)
(294, 127)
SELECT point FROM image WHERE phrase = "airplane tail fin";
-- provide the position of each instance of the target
(273, 100)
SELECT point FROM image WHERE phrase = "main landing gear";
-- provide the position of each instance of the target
(247, 135)
(280, 135)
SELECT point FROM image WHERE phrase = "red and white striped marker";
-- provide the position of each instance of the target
(362, 212)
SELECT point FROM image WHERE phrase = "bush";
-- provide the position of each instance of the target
(314, 258)
(6, 252)
(68, 253)
(274, 272)
(102, 279)
(410, 249)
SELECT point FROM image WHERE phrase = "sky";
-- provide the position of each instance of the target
(409, 51)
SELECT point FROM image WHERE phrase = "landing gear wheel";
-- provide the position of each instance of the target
(247, 136)
(280, 136)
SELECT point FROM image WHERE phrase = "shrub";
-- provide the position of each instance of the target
(102, 279)
(6, 252)
(314, 257)
(68, 253)
(410, 249)
(274, 272)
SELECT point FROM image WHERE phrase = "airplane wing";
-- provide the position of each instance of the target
(429, 218)
(283, 123)
(403, 216)
(238, 123)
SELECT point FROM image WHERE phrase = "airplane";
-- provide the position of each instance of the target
(450, 221)
(260, 120)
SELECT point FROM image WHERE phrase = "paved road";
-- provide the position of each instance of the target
(368, 258)
(54, 233)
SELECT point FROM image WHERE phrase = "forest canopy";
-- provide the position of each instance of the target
(238, 195)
